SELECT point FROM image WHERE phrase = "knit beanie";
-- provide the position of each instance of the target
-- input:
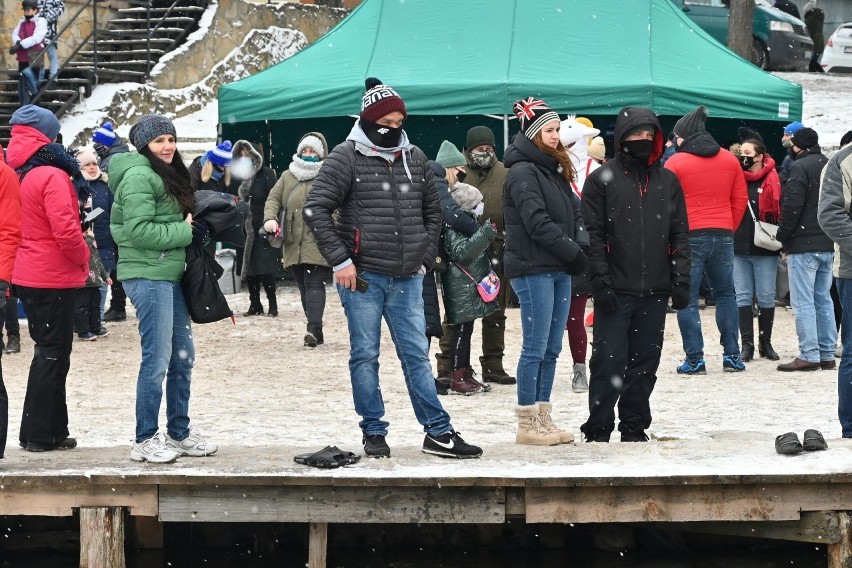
(466, 196)
(533, 114)
(805, 138)
(86, 156)
(691, 123)
(221, 155)
(380, 100)
(312, 142)
(791, 128)
(104, 135)
(449, 156)
(148, 127)
(647, 127)
(39, 118)
(597, 148)
(479, 136)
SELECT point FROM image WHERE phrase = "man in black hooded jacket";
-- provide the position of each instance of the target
(635, 215)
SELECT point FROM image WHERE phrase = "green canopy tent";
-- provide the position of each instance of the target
(458, 64)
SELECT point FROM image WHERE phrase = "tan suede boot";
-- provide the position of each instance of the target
(531, 431)
(544, 410)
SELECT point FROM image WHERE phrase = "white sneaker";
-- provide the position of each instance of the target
(152, 450)
(580, 381)
(193, 445)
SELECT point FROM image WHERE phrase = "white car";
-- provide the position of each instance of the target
(837, 56)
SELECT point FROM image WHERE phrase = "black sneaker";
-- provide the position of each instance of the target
(634, 435)
(376, 447)
(450, 445)
(114, 314)
(597, 436)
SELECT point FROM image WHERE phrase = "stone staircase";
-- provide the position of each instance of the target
(124, 49)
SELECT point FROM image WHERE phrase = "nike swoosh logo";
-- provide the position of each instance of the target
(449, 446)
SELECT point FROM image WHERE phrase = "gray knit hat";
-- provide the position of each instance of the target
(148, 127)
(691, 123)
(39, 118)
(466, 196)
(449, 156)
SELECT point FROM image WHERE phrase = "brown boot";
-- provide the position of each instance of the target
(531, 430)
(544, 412)
(461, 385)
(470, 376)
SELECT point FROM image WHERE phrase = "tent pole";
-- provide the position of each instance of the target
(505, 132)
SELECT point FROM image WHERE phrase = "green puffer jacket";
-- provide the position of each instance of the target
(147, 224)
(461, 300)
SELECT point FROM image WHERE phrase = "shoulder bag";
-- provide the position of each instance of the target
(764, 233)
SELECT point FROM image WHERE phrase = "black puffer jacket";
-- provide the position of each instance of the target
(799, 229)
(388, 223)
(541, 214)
(636, 218)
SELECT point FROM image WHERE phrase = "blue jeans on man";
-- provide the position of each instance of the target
(168, 352)
(545, 299)
(844, 374)
(712, 254)
(399, 301)
(810, 298)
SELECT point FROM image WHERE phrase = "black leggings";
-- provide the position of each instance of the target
(461, 349)
(312, 280)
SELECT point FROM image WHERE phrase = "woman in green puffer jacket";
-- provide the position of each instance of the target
(151, 223)
(467, 264)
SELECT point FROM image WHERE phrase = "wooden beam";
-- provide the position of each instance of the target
(61, 502)
(102, 537)
(629, 504)
(822, 527)
(515, 502)
(317, 545)
(840, 553)
(315, 504)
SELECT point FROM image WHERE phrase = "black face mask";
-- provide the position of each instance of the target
(746, 162)
(380, 135)
(792, 152)
(28, 18)
(460, 176)
(639, 149)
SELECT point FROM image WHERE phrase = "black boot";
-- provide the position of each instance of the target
(269, 287)
(255, 307)
(765, 319)
(314, 336)
(746, 334)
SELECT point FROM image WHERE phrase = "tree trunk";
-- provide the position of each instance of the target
(739, 27)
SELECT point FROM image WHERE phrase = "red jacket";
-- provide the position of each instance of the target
(10, 220)
(53, 253)
(713, 183)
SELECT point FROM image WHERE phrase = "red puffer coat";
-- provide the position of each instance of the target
(53, 253)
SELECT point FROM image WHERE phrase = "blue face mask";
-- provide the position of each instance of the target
(217, 174)
(310, 158)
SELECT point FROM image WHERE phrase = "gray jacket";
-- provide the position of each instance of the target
(835, 197)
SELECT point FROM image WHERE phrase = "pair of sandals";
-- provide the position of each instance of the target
(788, 444)
(330, 457)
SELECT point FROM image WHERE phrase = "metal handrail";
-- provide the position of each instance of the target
(150, 33)
(40, 54)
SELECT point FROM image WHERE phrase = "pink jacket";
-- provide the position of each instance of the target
(53, 253)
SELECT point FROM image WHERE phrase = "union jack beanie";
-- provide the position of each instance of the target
(533, 114)
(380, 100)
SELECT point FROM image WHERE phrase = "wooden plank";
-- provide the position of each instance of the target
(683, 503)
(332, 504)
(515, 502)
(840, 553)
(317, 545)
(60, 502)
(102, 537)
(822, 527)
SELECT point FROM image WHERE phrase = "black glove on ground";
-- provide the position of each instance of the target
(605, 300)
(680, 297)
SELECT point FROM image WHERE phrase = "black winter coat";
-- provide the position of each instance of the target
(541, 215)
(388, 223)
(431, 308)
(637, 223)
(799, 228)
(211, 184)
(744, 235)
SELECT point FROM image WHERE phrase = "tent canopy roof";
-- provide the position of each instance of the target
(586, 57)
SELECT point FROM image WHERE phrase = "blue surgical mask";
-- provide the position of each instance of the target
(217, 174)
(310, 158)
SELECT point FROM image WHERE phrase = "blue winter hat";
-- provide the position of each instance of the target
(39, 118)
(221, 155)
(791, 128)
(104, 135)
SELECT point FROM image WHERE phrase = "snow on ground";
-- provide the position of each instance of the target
(826, 106)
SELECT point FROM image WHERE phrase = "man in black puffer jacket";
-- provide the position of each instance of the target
(635, 215)
(385, 240)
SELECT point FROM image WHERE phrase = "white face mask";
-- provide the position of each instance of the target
(479, 209)
(242, 168)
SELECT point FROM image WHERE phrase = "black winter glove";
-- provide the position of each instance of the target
(680, 296)
(605, 300)
(4, 288)
(14, 49)
(200, 233)
(580, 264)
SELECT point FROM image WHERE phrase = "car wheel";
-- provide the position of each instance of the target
(759, 55)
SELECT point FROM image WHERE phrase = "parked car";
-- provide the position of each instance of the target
(837, 56)
(781, 42)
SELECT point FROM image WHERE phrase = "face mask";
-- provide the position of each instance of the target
(460, 176)
(28, 18)
(310, 158)
(747, 162)
(242, 168)
(786, 142)
(217, 173)
(483, 159)
(381, 136)
(639, 149)
(100, 149)
(792, 152)
(479, 209)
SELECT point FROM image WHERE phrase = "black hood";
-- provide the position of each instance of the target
(631, 117)
(701, 144)
(522, 149)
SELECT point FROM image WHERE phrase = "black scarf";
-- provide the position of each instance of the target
(57, 156)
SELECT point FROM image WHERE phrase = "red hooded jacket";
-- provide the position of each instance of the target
(53, 253)
(10, 220)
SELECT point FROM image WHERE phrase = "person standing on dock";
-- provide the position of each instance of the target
(384, 240)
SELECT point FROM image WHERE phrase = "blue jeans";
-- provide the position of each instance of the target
(167, 353)
(399, 300)
(755, 276)
(844, 375)
(27, 86)
(54, 63)
(810, 298)
(713, 255)
(545, 300)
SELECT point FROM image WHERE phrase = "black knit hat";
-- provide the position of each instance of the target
(479, 136)
(691, 123)
(380, 100)
(533, 114)
(805, 138)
